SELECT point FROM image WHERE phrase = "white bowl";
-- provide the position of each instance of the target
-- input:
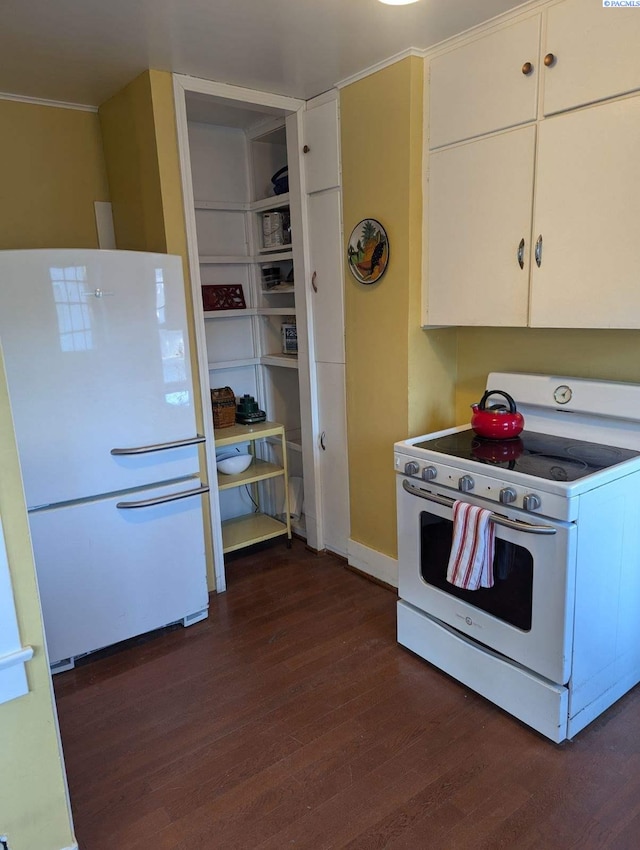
(234, 464)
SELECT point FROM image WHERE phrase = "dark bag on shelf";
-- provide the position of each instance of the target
(280, 181)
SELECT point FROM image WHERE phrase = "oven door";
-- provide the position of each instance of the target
(527, 614)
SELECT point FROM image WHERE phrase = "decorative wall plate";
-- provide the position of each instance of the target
(368, 251)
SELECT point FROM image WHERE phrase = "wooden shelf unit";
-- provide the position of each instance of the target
(248, 529)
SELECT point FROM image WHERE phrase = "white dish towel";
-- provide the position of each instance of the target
(472, 549)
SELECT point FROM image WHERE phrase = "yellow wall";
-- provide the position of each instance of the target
(128, 132)
(608, 354)
(399, 378)
(53, 171)
(33, 803)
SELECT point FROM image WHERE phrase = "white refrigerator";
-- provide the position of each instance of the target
(97, 358)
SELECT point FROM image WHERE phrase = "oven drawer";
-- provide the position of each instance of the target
(537, 702)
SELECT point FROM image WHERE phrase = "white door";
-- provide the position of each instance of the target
(334, 470)
(327, 290)
(484, 85)
(108, 572)
(321, 148)
(596, 53)
(587, 204)
(97, 358)
(479, 224)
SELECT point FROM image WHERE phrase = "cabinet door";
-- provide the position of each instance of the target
(587, 207)
(479, 214)
(481, 87)
(327, 295)
(333, 466)
(322, 138)
(596, 53)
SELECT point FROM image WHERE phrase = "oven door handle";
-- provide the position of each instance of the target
(447, 501)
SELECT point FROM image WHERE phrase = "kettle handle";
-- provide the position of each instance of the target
(510, 401)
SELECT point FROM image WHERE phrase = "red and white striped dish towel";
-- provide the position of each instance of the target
(471, 558)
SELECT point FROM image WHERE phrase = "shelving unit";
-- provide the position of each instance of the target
(231, 146)
(247, 529)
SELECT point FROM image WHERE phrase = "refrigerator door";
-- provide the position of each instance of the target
(108, 571)
(97, 358)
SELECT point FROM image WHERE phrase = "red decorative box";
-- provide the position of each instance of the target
(223, 296)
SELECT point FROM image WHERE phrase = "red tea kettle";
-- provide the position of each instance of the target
(496, 422)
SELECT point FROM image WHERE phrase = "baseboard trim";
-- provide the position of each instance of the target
(373, 563)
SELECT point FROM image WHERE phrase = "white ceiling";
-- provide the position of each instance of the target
(83, 51)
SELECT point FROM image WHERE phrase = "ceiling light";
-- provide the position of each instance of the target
(398, 2)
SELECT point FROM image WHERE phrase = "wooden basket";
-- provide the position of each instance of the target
(223, 404)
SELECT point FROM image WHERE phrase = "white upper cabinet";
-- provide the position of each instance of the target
(321, 149)
(489, 84)
(479, 231)
(570, 196)
(593, 51)
(587, 204)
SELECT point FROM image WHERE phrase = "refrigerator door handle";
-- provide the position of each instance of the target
(160, 447)
(160, 500)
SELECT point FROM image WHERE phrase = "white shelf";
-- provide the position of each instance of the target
(288, 361)
(264, 259)
(233, 364)
(280, 289)
(270, 251)
(274, 202)
(276, 311)
(293, 443)
(220, 259)
(222, 206)
(294, 438)
(230, 314)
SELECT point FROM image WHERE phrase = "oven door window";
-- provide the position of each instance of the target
(510, 598)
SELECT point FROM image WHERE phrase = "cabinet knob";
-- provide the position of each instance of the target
(527, 68)
(306, 149)
(549, 60)
(313, 281)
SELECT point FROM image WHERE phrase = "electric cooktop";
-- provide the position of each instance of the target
(540, 455)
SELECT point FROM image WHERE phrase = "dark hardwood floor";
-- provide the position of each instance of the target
(291, 718)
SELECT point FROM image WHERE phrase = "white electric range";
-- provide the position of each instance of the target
(556, 640)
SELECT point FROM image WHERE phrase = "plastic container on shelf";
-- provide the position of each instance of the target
(276, 229)
(289, 331)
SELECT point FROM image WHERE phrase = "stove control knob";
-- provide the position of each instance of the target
(429, 473)
(411, 468)
(466, 483)
(508, 495)
(531, 502)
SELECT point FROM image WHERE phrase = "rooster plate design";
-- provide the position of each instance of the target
(368, 251)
